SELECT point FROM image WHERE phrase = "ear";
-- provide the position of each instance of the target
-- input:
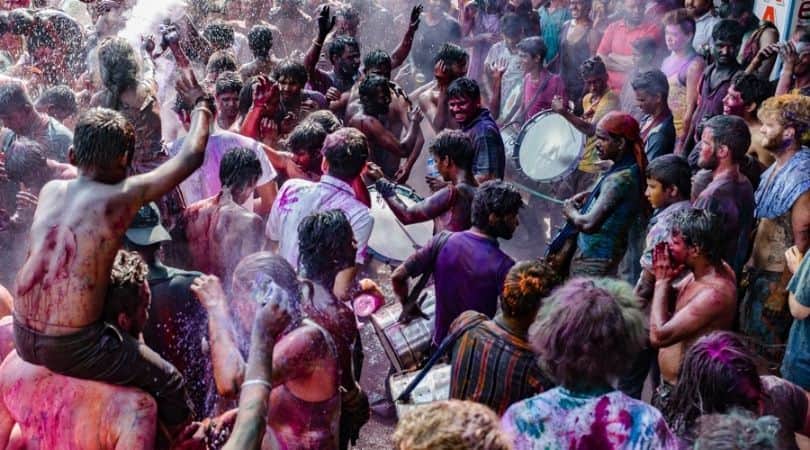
(789, 133)
(673, 192)
(124, 322)
(324, 166)
(752, 108)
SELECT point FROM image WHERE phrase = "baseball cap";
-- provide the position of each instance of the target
(146, 229)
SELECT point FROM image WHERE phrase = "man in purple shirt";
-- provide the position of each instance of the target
(469, 268)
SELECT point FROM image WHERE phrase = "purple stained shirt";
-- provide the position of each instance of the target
(562, 419)
(469, 274)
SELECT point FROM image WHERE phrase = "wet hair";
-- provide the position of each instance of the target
(672, 170)
(526, 284)
(25, 159)
(339, 44)
(348, 13)
(369, 87)
(323, 239)
(60, 97)
(129, 273)
(652, 82)
(700, 228)
(181, 105)
(792, 111)
(588, 332)
(450, 425)
(593, 67)
(511, 25)
(682, 19)
(101, 137)
(14, 97)
(260, 40)
(293, 70)
(219, 35)
(118, 67)
(254, 273)
(717, 374)
(464, 87)
(727, 30)
(325, 118)
(737, 430)
(221, 61)
(534, 46)
(645, 46)
(377, 58)
(240, 167)
(494, 197)
(306, 137)
(450, 54)
(346, 151)
(752, 88)
(228, 83)
(456, 145)
(732, 132)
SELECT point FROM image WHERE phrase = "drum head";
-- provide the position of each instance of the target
(548, 147)
(390, 241)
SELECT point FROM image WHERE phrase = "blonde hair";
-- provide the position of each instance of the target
(792, 111)
(450, 425)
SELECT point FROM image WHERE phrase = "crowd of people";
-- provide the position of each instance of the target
(186, 196)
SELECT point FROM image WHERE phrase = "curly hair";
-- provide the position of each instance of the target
(526, 284)
(128, 275)
(588, 332)
(738, 430)
(717, 373)
(118, 67)
(450, 425)
(324, 240)
(593, 67)
(792, 111)
(325, 118)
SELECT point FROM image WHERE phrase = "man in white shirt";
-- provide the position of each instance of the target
(703, 13)
(344, 156)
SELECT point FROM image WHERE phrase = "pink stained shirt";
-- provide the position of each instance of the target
(618, 39)
(533, 103)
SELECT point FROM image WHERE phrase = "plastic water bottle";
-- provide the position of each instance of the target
(432, 170)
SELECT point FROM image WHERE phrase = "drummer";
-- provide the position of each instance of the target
(449, 207)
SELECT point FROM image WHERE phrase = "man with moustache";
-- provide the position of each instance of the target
(604, 216)
(783, 214)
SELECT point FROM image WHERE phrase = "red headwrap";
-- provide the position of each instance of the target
(623, 125)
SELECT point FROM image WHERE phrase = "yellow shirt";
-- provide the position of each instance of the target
(609, 102)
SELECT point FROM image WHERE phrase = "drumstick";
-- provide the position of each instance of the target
(538, 194)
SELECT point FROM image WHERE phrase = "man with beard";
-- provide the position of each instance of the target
(702, 11)
(602, 218)
(729, 195)
(713, 86)
(743, 98)
(295, 102)
(783, 214)
(705, 299)
(468, 267)
(386, 149)
(18, 114)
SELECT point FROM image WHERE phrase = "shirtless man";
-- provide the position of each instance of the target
(219, 231)
(76, 232)
(450, 64)
(326, 247)
(386, 148)
(260, 41)
(53, 410)
(295, 25)
(451, 206)
(305, 402)
(705, 300)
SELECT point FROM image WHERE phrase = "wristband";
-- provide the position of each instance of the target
(385, 187)
(259, 382)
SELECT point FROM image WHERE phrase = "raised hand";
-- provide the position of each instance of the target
(274, 316)
(793, 258)
(208, 290)
(663, 266)
(190, 90)
(498, 67)
(415, 114)
(416, 12)
(787, 50)
(148, 44)
(333, 94)
(325, 23)
(265, 92)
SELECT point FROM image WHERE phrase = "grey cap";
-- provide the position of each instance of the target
(146, 229)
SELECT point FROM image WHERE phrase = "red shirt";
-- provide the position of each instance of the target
(619, 38)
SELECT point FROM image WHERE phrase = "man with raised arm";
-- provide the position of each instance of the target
(77, 229)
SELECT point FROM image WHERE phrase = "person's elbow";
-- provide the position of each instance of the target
(659, 338)
(797, 310)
